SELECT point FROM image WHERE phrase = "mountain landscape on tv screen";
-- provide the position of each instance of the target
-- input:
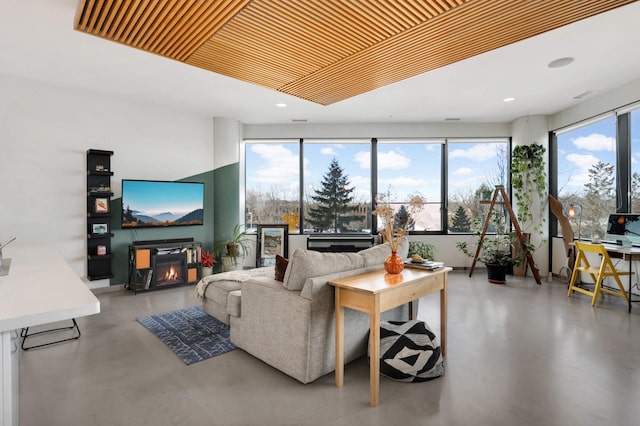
(134, 218)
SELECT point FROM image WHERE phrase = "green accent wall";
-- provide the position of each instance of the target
(227, 199)
(125, 237)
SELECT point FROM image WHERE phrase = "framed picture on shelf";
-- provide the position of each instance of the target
(272, 240)
(99, 228)
(101, 205)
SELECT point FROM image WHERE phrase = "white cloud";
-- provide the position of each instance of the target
(361, 182)
(595, 142)
(392, 160)
(582, 163)
(402, 181)
(463, 171)
(328, 151)
(477, 152)
(363, 158)
(280, 167)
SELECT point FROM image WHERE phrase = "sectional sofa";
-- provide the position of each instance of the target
(290, 324)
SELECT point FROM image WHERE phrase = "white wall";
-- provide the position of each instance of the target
(45, 132)
(391, 130)
(598, 104)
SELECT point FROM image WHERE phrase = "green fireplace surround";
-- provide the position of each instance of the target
(221, 201)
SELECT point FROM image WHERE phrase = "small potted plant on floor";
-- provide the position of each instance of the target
(494, 253)
(233, 249)
(495, 250)
(207, 263)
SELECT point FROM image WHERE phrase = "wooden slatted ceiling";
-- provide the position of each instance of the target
(326, 51)
(172, 28)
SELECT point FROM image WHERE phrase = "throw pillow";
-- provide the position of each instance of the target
(281, 267)
(409, 351)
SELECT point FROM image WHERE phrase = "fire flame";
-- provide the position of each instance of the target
(171, 274)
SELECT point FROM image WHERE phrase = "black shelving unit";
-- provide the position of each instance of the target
(99, 233)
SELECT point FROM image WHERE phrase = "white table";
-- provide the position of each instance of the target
(41, 288)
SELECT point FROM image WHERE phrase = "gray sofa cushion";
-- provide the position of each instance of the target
(233, 303)
(375, 256)
(305, 264)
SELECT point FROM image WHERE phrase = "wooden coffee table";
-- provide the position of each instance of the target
(376, 292)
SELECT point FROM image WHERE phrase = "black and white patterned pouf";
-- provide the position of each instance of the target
(409, 351)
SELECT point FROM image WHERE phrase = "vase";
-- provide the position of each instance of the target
(206, 271)
(394, 263)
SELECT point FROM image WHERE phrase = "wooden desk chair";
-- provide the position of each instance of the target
(598, 274)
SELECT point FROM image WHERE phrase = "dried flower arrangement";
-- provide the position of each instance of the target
(394, 234)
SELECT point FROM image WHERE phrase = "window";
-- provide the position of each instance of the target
(586, 174)
(635, 159)
(475, 167)
(337, 186)
(272, 183)
(328, 185)
(408, 167)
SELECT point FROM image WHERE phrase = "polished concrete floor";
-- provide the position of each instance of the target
(518, 354)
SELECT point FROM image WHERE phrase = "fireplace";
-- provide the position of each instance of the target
(169, 269)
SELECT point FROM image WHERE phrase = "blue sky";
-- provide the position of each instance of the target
(580, 149)
(410, 167)
(151, 198)
(407, 167)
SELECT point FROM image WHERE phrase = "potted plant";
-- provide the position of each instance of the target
(494, 253)
(495, 250)
(233, 249)
(529, 183)
(422, 249)
(207, 261)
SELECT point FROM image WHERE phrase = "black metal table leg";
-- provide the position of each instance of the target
(24, 333)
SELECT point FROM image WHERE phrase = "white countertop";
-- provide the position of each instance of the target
(41, 288)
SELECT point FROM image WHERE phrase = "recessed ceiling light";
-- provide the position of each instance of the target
(299, 120)
(509, 99)
(560, 62)
(452, 119)
(281, 105)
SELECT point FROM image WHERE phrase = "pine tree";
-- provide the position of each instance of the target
(460, 222)
(599, 199)
(402, 220)
(331, 201)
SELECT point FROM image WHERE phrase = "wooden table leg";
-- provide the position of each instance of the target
(374, 351)
(339, 340)
(443, 317)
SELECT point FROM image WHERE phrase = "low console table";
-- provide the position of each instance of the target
(376, 292)
(160, 264)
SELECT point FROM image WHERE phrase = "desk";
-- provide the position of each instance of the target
(40, 288)
(628, 254)
(376, 292)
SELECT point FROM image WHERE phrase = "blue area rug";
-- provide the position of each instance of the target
(190, 333)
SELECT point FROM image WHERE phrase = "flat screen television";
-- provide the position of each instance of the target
(155, 204)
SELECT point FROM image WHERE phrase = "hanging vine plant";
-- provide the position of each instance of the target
(529, 181)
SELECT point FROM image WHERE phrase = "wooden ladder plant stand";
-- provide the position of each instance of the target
(504, 200)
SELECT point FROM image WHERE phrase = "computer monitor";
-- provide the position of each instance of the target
(624, 229)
